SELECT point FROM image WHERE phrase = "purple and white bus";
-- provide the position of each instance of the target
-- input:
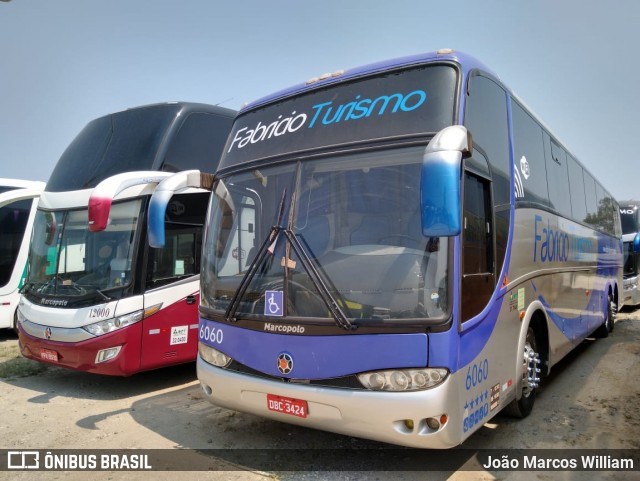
(399, 252)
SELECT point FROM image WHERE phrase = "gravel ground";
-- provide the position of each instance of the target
(592, 400)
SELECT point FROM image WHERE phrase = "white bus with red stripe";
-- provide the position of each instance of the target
(97, 297)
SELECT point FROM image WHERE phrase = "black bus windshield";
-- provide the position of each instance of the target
(355, 217)
(629, 219)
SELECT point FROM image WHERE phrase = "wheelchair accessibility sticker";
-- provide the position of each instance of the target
(273, 303)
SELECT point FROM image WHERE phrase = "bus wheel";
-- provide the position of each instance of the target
(522, 407)
(607, 326)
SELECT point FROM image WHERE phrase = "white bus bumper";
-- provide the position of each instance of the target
(396, 418)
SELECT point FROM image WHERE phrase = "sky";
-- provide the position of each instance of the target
(65, 62)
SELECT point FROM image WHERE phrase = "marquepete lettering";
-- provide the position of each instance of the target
(284, 328)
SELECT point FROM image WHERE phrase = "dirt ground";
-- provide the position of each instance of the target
(592, 400)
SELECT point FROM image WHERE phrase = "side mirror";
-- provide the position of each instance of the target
(636, 244)
(440, 180)
(103, 194)
(162, 195)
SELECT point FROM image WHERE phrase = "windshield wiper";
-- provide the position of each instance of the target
(248, 276)
(103, 295)
(307, 263)
(230, 313)
(43, 288)
(318, 283)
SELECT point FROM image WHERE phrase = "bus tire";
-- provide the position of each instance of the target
(521, 408)
(607, 326)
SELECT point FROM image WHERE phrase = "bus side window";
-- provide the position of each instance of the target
(13, 223)
(179, 257)
(486, 119)
(557, 176)
(477, 246)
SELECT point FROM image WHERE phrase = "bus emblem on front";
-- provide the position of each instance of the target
(285, 363)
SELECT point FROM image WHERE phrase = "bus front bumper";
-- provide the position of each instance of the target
(631, 291)
(391, 417)
(83, 355)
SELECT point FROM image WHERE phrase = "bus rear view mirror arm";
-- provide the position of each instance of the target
(161, 197)
(440, 181)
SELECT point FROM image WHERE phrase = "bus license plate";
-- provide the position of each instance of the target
(48, 355)
(286, 405)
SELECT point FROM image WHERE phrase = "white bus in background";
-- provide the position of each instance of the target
(18, 202)
(629, 215)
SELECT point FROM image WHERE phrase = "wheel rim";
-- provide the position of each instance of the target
(612, 309)
(531, 370)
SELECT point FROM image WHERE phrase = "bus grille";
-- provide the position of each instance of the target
(345, 382)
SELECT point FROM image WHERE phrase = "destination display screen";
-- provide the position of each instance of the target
(414, 101)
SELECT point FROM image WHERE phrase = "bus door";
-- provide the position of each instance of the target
(172, 284)
(478, 279)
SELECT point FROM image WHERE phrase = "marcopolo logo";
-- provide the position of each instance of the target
(327, 113)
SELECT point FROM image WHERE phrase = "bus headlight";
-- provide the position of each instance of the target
(403, 379)
(110, 325)
(213, 356)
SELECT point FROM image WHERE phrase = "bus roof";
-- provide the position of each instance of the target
(184, 107)
(21, 184)
(141, 139)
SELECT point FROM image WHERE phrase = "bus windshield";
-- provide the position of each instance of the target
(343, 230)
(66, 259)
(629, 219)
(14, 221)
